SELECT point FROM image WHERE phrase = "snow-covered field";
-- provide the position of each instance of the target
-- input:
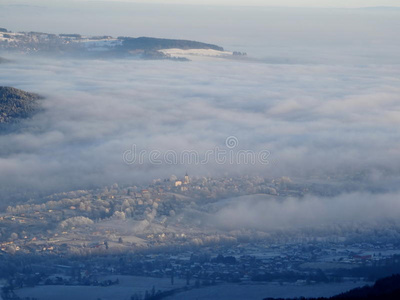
(261, 291)
(11, 34)
(196, 54)
(2, 283)
(130, 285)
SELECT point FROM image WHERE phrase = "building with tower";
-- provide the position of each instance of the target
(187, 179)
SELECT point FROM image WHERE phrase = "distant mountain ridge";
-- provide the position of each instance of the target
(77, 45)
(148, 43)
(16, 104)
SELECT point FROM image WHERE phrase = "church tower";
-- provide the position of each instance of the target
(187, 180)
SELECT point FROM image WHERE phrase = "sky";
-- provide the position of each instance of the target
(268, 3)
(281, 3)
(261, 32)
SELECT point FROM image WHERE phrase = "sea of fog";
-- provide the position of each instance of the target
(313, 119)
(319, 92)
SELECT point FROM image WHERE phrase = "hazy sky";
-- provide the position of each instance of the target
(292, 3)
(280, 3)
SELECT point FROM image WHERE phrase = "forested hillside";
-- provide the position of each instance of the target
(16, 104)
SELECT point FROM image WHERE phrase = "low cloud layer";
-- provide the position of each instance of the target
(352, 210)
(314, 120)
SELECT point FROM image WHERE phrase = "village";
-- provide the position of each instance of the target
(83, 237)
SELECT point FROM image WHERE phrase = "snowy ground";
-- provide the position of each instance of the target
(1, 285)
(197, 54)
(130, 285)
(261, 291)
(11, 34)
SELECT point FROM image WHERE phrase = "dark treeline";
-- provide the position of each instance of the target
(384, 289)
